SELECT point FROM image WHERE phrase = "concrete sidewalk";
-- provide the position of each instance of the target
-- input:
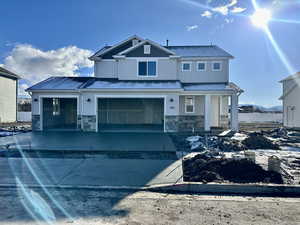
(91, 171)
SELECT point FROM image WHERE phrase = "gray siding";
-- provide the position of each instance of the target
(110, 54)
(105, 69)
(155, 52)
(207, 76)
(128, 70)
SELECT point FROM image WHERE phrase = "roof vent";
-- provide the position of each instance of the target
(135, 42)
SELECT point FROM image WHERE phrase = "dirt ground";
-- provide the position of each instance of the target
(90, 207)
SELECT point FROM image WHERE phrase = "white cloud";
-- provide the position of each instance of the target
(224, 9)
(34, 64)
(206, 14)
(237, 10)
(22, 88)
(190, 28)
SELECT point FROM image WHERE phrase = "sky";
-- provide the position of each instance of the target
(39, 39)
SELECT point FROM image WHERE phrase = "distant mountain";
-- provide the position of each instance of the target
(258, 108)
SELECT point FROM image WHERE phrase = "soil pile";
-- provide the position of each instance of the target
(202, 168)
(258, 141)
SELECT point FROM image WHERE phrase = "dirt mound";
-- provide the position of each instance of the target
(258, 141)
(207, 169)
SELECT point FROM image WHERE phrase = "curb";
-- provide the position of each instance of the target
(189, 187)
(237, 189)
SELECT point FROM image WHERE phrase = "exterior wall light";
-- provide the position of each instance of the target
(35, 100)
(171, 100)
(88, 100)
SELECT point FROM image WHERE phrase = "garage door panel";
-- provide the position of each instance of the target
(130, 112)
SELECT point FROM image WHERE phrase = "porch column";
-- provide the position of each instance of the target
(207, 112)
(234, 119)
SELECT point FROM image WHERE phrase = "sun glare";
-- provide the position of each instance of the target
(261, 18)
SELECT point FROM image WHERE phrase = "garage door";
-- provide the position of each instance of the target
(130, 114)
(59, 113)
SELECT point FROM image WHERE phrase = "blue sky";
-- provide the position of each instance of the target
(42, 38)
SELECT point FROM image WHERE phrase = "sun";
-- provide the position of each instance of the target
(261, 18)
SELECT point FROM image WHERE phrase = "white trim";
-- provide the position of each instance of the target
(147, 60)
(212, 66)
(186, 62)
(144, 42)
(118, 44)
(185, 105)
(108, 60)
(205, 66)
(129, 96)
(147, 49)
(41, 97)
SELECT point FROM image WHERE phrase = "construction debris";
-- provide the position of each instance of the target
(258, 141)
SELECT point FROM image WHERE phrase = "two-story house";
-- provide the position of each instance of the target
(141, 85)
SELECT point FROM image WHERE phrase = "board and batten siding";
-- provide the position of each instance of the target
(8, 100)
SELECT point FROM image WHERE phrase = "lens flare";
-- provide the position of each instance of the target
(261, 18)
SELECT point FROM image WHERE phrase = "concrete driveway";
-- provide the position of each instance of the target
(96, 171)
(63, 140)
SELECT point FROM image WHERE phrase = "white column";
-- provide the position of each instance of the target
(207, 113)
(234, 119)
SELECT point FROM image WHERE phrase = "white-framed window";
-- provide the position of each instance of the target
(186, 66)
(216, 66)
(201, 66)
(147, 49)
(56, 107)
(147, 68)
(189, 104)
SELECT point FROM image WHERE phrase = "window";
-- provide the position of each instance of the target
(147, 49)
(201, 66)
(186, 66)
(147, 68)
(56, 107)
(216, 66)
(189, 104)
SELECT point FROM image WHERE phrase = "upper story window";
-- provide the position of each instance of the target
(189, 104)
(201, 66)
(216, 66)
(147, 49)
(186, 66)
(147, 68)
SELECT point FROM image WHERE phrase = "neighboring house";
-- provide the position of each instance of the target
(291, 101)
(8, 96)
(141, 85)
(24, 109)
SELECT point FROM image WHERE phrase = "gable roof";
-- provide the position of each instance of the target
(199, 51)
(291, 77)
(107, 49)
(145, 42)
(8, 74)
(177, 51)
